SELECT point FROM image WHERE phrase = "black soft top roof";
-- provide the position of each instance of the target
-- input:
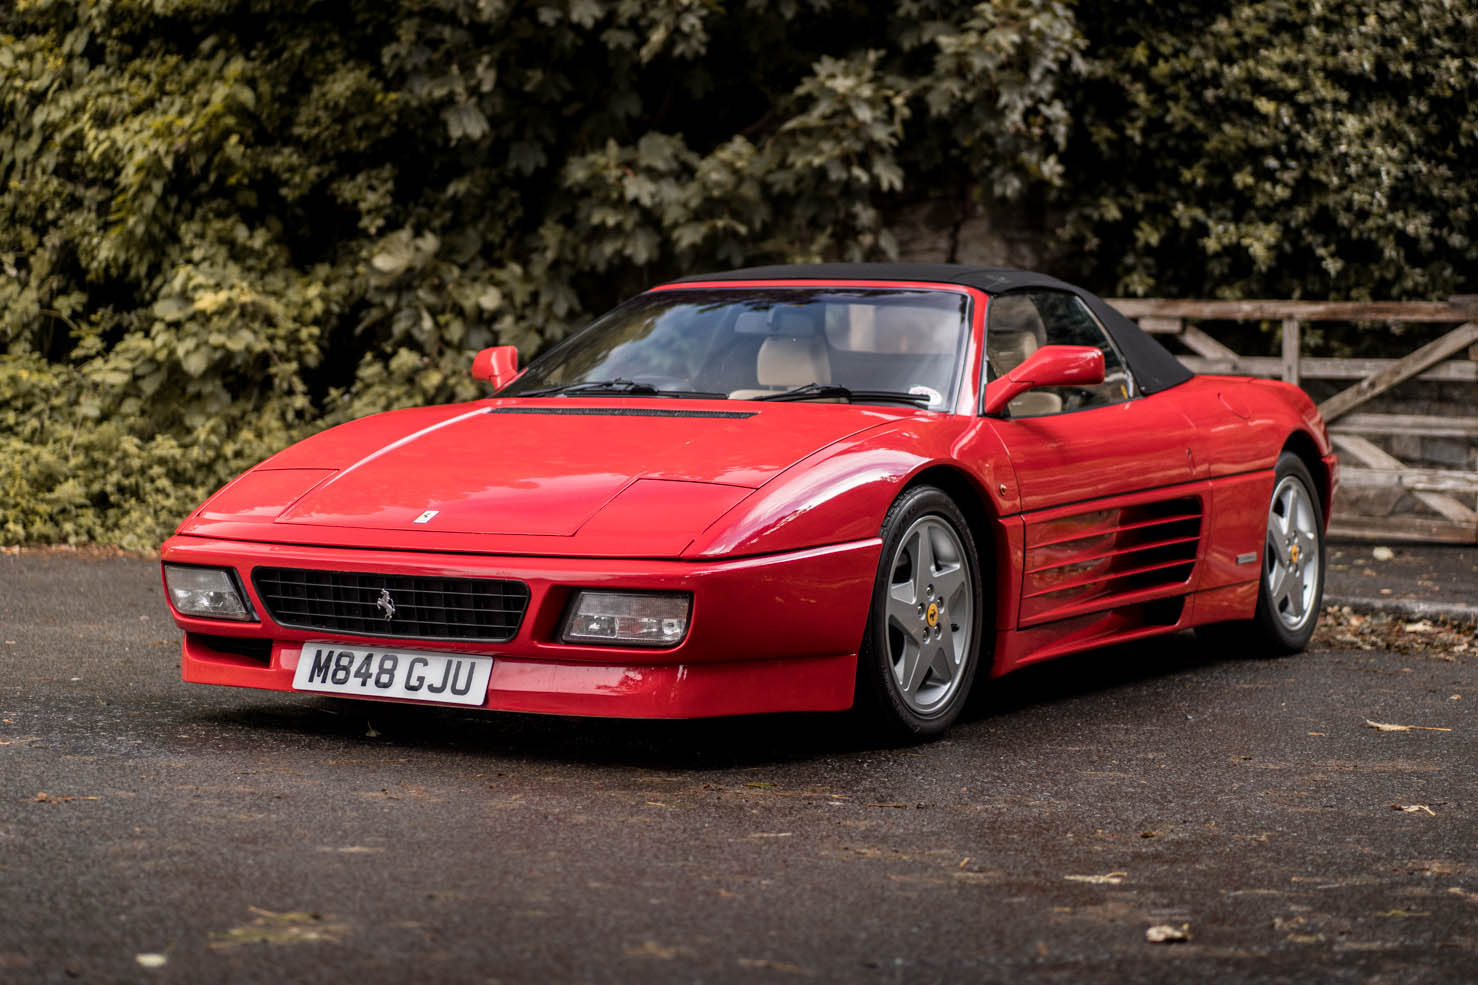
(1153, 366)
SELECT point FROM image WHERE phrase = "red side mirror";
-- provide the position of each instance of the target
(1051, 365)
(498, 365)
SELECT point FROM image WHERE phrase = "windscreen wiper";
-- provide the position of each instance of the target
(617, 385)
(821, 391)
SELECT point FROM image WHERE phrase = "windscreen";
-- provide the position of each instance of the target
(750, 343)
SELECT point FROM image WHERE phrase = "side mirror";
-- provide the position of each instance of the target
(498, 365)
(1051, 365)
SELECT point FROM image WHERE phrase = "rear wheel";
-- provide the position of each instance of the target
(920, 650)
(1291, 587)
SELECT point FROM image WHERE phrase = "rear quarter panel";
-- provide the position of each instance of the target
(1243, 425)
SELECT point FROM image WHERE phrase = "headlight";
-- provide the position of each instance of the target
(627, 619)
(207, 592)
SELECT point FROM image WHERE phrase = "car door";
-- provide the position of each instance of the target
(1111, 516)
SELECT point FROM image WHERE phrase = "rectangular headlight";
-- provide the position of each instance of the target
(207, 592)
(627, 619)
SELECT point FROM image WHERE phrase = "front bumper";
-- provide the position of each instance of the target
(766, 634)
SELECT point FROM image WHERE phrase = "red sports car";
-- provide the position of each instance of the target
(776, 489)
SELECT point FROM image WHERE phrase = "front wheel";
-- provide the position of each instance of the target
(921, 647)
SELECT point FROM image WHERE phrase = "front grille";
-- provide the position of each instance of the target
(425, 608)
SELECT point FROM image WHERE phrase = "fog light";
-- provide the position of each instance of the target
(207, 592)
(645, 619)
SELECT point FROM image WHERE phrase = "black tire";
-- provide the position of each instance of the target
(1290, 590)
(920, 651)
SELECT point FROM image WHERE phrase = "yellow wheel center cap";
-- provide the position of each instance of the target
(933, 614)
(1293, 554)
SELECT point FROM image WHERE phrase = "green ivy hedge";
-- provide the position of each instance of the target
(227, 223)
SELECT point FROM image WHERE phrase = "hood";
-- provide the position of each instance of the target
(513, 475)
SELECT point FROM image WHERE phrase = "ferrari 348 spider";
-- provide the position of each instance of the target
(797, 488)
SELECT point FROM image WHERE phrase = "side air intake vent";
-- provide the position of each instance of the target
(1101, 560)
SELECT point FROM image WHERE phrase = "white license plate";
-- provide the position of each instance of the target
(444, 678)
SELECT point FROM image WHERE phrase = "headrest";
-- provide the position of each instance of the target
(795, 320)
(792, 362)
(1007, 350)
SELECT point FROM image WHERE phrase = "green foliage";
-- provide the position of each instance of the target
(1275, 149)
(226, 223)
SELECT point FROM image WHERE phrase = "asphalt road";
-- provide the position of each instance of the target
(156, 831)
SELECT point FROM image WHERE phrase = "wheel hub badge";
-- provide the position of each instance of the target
(933, 614)
(1293, 554)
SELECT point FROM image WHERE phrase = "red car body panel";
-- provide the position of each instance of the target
(730, 653)
(1093, 527)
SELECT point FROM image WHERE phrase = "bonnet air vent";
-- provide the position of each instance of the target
(624, 412)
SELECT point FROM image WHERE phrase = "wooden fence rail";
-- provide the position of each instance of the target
(1452, 358)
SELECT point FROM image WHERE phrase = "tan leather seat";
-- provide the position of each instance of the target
(786, 362)
(1006, 351)
(791, 362)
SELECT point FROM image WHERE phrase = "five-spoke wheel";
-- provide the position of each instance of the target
(1293, 561)
(920, 650)
(1292, 585)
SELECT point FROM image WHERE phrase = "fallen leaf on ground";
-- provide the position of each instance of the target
(651, 949)
(1164, 933)
(151, 960)
(1388, 727)
(1111, 878)
(1413, 809)
(270, 927)
(1439, 639)
(766, 964)
(51, 798)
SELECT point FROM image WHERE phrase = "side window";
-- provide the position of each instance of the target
(1019, 324)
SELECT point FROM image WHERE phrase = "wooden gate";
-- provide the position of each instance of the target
(1445, 497)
